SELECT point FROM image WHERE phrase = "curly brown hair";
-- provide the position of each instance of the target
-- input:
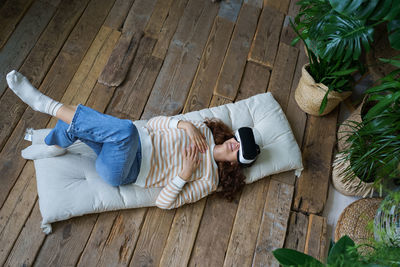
(231, 177)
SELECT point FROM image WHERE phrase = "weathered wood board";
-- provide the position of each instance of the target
(207, 73)
(173, 83)
(54, 85)
(281, 5)
(274, 223)
(255, 80)
(138, 16)
(10, 14)
(316, 237)
(215, 228)
(39, 61)
(121, 59)
(312, 187)
(118, 14)
(235, 60)
(182, 235)
(129, 99)
(297, 231)
(23, 39)
(157, 19)
(242, 242)
(169, 27)
(153, 236)
(266, 40)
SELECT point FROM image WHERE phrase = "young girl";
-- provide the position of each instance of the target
(188, 159)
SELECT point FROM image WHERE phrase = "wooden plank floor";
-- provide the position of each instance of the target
(188, 55)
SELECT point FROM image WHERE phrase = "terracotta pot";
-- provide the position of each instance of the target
(309, 95)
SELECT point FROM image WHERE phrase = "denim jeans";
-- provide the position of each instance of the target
(115, 141)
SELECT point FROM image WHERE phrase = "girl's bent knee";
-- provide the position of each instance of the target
(109, 175)
(129, 130)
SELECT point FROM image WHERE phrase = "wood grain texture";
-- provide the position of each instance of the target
(266, 40)
(67, 241)
(312, 187)
(16, 210)
(157, 19)
(122, 239)
(229, 10)
(114, 73)
(54, 86)
(219, 100)
(169, 27)
(255, 81)
(182, 235)
(207, 73)
(129, 94)
(29, 241)
(194, 27)
(85, 78)
(297, 231)
(153, 236)
(235, 60)
(274, 223)
(23, 39)
(94, 247)
(214, 231)
(39, 61)
(256, 3)
(78, 91)
(280, 86)
(282, 74)
(118, 14)
(281, 5)
(176, 75)
(242, 242)
(138, 16)
(316, 237)
(10, 14)
(296, 117)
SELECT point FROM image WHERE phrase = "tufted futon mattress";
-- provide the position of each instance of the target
(69, 186)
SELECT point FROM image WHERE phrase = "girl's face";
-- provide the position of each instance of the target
(230, 150)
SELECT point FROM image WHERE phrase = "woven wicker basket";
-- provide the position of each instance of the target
(345, 129)
(349, 187)
(309, 95)
(354, 220)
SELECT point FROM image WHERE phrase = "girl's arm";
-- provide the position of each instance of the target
(178, 192)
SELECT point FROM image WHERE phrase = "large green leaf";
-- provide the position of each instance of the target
(340, 249)
(341, 37)
(290, 257)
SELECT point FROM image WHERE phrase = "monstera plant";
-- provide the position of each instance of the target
(338, 32)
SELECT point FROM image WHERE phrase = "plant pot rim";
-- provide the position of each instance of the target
(322, 86)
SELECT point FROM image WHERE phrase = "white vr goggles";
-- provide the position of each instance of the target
(249, 150)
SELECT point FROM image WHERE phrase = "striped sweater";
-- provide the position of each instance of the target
(166, 162)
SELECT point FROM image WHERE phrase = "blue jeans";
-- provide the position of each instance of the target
(116, 143)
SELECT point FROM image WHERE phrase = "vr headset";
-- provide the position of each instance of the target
(249, 150)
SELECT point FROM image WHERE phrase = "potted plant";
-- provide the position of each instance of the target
(341, 30)
(343, 253)
(323, 84)
(371, 154)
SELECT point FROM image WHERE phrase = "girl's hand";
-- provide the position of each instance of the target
(196, 137)
(191, 162)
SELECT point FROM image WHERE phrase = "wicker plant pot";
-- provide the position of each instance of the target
(355, 218)
(345, 129)
(309, 95)
(346, 186)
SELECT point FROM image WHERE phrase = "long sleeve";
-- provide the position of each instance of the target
(177, 192)
(162, 122)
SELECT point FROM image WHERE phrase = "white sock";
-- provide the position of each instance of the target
(30, 95)
(41, 151)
